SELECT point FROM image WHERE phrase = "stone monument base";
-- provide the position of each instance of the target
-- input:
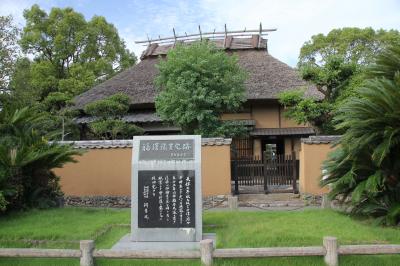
(125, 243)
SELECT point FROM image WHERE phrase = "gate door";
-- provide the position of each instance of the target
(269, 174)
(280, 173)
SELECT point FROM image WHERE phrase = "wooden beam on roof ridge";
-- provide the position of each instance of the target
(173, 29)
(204, 34)
(216, 37)
(255, 40)
(201, 37)
(259, 36)
(226, 35)
(229, 40)
(150, 50)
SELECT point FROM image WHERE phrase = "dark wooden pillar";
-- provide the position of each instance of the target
(294, 173)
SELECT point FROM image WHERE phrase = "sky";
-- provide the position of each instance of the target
(296, 20)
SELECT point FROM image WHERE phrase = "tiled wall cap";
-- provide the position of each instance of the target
(321, 139)
(108, 144)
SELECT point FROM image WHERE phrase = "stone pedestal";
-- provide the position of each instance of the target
(125, 243)
(233, 202)
(326, 202)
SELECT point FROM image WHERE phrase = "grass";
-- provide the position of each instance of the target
(63, 228)
(300, 228)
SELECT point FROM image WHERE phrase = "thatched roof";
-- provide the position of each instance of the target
(267, 76)
(229, 44)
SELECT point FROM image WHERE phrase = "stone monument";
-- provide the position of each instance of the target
(166, 194)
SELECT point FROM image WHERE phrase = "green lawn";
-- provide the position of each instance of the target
(63, 228)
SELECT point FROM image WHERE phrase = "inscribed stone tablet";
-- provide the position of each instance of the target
(166, 199)
(166, 188)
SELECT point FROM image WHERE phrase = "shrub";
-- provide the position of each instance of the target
(199, 83)
(27, 161)
(365, 170)
(116, 105)
(114, 129)
(108, 113)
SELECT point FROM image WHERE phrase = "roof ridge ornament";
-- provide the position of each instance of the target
(214, 35)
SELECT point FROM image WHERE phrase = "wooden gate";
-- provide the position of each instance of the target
(269, 174)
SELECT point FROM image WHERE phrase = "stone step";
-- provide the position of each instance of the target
(274, 204)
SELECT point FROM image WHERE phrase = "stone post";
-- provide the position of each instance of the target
(331, 246)
(233, 202)
(326, 202)
(206, 251)
(87, 247)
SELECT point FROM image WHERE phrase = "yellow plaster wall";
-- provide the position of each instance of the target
(288, 146)
(296, 146)
(266, 115)
(107, 172)
(235, 116)
(257, 149)
(311, 158)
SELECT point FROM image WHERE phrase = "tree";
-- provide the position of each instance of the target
(335, 64)
(27, 161)
(8, 49)
(364, 171)
(71, 54)
(307, 110)
(197, 84)
(20, 83)
(108, 113)
(355, 45)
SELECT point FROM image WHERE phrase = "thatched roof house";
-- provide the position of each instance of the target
(267, 75)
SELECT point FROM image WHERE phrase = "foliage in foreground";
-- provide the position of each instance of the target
(199, 83)
(335, 64)
(108, 113)
(268, 229)
(365, 169)
(27, 160)
(70, 55)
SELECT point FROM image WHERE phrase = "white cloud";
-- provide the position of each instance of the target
(14, 8)
(129, 36)
(17, 7)
(297, 21)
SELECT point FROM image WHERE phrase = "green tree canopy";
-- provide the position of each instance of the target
(197, 84)
(64, 38)
(335, 63)
(21, 83)
(354, 45)
(71, 54)
(365, 168)
(8, 49)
